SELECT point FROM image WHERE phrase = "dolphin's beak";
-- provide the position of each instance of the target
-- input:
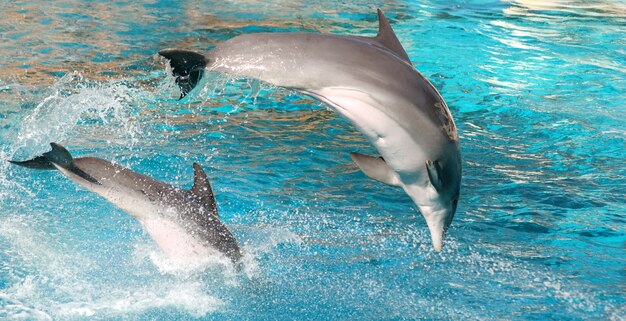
(436, 225)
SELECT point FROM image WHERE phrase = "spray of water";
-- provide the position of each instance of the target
(56, 280)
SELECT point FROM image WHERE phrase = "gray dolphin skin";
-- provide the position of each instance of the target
(371, 82)
(184, 223)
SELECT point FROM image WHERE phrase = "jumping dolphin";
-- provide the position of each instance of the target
(372, 83)
(184, 223)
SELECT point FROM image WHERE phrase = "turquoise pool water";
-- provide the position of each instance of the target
(538, 92)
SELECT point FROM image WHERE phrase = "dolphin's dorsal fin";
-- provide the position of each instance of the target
(376, 168)
(202, 189)
(388, 39)
(434, 174)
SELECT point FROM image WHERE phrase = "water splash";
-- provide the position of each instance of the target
(75, 102)
(542, 207)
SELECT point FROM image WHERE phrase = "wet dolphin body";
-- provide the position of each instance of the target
(371, 82)
(184, 223)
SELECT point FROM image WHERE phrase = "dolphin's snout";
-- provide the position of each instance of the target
(438, 222)
(436, 225)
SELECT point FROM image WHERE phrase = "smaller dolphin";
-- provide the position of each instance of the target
(184, 223)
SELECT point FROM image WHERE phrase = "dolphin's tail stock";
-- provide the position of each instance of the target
(57, 157)
(187, 67)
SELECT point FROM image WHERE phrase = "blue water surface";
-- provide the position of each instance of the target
(538, 92)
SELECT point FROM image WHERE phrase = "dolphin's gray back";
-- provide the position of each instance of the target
(312, 62)
(109, 173)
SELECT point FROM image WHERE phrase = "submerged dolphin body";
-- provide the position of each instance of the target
(371, 82)
(184, 223)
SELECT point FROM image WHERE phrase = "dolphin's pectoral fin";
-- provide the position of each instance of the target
(202, 189)
(434, 174)
(187, 67)
(39, 162)
(376, 168)
(388, 39)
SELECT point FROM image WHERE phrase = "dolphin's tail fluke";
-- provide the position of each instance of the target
(187, 67)
(57, 157)
(39, 162)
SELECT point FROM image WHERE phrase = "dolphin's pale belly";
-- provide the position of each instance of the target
(174, 240)
(394, 142)
(160, 223)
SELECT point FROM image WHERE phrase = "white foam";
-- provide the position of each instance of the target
(51, 281)
(188, 296)
(176, 266)
(15, 310)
